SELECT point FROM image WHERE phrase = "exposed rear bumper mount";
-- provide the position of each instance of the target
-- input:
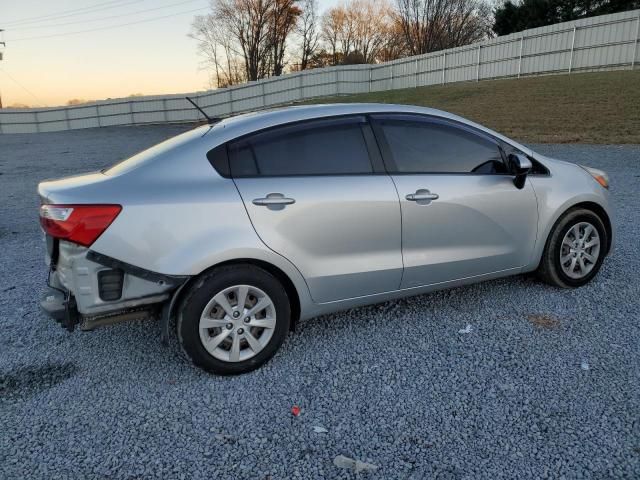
(61, 306)
(90, 289)
(169, 280)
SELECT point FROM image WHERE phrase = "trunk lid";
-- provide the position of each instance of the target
(69, 189)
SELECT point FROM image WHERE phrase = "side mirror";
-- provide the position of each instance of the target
(520, 166)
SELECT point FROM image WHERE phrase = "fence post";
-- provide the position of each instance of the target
(165, 114)
(66, 117)
(133, 122)
(230, 100)
(635, 44)
(573, 42)
(478, 64)
(391, 73)
(520, 56)
(300, 86)
(370, 71)
(98, 115)
(416, 72)
(37, 122)
(444, 65)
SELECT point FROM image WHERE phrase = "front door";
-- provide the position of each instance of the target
(314, 197)
(462, 215)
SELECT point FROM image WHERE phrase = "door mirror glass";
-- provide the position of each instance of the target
(520, 166)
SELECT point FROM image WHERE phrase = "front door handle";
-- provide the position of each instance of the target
(274, 200)
(422, 195)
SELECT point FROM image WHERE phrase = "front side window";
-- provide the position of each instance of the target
(433, 147)
(311, 149)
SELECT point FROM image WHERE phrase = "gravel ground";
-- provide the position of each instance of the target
(545, 384)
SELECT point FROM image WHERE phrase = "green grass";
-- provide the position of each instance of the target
(601, 107)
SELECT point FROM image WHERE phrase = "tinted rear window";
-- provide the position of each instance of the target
(321, 149)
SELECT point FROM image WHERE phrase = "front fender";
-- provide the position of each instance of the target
(567, 186)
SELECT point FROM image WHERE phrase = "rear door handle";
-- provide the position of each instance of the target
(422, 195)
(273, 200)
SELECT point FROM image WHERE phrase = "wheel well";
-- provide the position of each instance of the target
(598, 210)
(595, 208)
(282, 277)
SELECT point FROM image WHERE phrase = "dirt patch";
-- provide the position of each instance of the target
(545, 321)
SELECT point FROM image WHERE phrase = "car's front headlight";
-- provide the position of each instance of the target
(599, 176)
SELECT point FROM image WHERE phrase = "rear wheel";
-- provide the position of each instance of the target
(234, 319)
(575, 249)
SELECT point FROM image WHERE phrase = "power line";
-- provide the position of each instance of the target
(21, 86)
(74, 12)
(103, 18)
(108, 27)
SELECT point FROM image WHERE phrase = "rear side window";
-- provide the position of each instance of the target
(314, 148)
(432, 147)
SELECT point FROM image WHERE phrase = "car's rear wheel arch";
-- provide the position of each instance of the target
(283, 278)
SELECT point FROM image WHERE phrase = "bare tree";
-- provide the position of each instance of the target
(283, 16)
(248, 23)
(244, 40)
(332, 25)
(346, 35)
(338, 31)
(357, 30)
(394, 46)
(215, 45)
(308, 31)
(430, 25)
(370, 22)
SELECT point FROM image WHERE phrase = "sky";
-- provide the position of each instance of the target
(46, 63)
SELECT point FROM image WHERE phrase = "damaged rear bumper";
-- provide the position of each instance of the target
(91, 289)
(55, 304)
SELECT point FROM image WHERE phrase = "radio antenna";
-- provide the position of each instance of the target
(210, 120)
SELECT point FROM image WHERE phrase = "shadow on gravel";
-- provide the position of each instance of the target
(27, 381)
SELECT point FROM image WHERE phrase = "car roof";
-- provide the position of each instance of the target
(243, 124)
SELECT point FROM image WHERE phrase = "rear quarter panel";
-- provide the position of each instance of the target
(180, 217)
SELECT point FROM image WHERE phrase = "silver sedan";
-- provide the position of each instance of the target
(231, 233)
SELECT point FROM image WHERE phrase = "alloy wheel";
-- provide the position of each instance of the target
(237, 323)
(580, 250)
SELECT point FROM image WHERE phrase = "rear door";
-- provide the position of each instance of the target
(317, 194)
(462, 215)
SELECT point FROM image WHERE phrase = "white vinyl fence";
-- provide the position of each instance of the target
(607, 42)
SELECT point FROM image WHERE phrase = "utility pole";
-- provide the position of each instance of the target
(4, 45)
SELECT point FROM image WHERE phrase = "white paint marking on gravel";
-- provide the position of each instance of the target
(465, 330)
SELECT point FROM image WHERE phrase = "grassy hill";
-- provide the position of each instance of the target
(599, 107)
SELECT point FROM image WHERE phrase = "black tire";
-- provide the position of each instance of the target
(550, 269)
(199, 295)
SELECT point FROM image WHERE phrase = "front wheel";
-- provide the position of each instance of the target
(234, 319)
(575, 249)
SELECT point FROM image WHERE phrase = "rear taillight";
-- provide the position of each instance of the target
(81, 224)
